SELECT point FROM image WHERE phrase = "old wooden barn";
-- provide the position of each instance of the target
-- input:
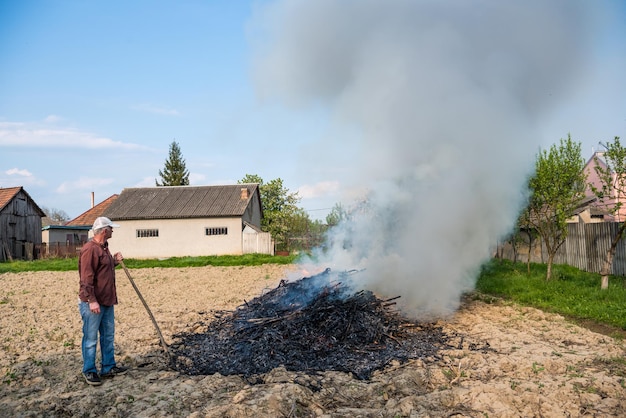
(20, 224)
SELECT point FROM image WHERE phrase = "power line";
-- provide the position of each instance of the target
(314, 210)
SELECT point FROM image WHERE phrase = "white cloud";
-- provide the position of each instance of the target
(18, 172)
(320, 189)
(204, 164)
(159, 110)
(52, 119)
(195, 178)
(19, 177)
(23, 134)
(146, 182)
(83, 183)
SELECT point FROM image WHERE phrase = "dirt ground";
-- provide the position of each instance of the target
(540, 366)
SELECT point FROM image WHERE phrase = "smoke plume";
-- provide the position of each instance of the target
(436, 106)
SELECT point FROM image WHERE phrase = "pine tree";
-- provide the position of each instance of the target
(175, 172)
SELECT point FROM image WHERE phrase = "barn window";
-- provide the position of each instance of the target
(216, 231)
(147, 233)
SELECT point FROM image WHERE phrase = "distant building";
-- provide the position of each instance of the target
(20, 224)
(597, 159)
(589, 212)
(63, 234)
(66, 240)
(87, 218)
(178, 221)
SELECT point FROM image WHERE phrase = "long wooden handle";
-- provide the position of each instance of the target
(154, 322)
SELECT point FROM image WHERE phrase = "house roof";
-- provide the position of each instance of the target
(88, 217)
(67, 228)
(586, 203)
(253, 227)
(7, 194)
(174, 202)
(599, 156)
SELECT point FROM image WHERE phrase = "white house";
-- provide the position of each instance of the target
(178, 221)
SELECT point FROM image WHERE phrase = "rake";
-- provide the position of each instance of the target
(154, 322)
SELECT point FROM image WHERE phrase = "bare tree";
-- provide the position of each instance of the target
(54, 216)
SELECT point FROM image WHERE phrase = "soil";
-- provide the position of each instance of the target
(539, 364)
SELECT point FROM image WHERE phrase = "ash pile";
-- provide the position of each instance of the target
(317, 323)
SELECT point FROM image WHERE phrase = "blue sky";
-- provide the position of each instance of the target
(92, 93)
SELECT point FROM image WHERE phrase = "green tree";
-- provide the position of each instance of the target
(175, 171)
(337, 214)
(316, 231)
(523, 234)
(557, 188)
(252, 178)
(525, 226)
(612, 175)
(300, 229)
(280, 211)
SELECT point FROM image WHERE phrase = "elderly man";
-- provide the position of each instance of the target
(98, 295)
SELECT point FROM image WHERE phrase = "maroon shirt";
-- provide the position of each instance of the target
(96, 267)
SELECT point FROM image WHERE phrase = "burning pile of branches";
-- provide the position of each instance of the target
(313, 324)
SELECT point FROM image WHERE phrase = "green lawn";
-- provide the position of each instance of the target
(570, 292)
(67, 264)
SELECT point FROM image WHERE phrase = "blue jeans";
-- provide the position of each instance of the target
(103, 323)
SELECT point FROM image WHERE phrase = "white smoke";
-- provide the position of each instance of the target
(442, 99)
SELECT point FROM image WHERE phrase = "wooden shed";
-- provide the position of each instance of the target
(20, 224)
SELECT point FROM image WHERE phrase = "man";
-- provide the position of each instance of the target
(98, 295)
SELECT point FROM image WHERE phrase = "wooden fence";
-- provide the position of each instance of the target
(261, 243)
(585, 248)
(58, 250)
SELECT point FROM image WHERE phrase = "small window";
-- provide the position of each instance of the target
(216, 231)
(147, 233)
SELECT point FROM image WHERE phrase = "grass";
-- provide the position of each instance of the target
(69, 264)
(571, 292)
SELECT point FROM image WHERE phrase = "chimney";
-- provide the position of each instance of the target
(92, 200)
(244, 193)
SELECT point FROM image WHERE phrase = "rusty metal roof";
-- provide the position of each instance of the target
(175, 202)
(7, 194)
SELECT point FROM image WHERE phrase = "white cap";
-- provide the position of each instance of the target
(103, 222)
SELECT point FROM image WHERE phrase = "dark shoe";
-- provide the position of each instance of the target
(115, 371)
(92, 379)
